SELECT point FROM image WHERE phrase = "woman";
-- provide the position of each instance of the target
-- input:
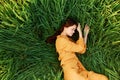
(66, 48)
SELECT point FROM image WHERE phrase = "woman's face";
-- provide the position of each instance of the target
(70, 30)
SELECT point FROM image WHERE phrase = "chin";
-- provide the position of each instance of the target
(70, 35)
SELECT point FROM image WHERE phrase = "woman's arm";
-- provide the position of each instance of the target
(79, 30)
(86, 31)
(67, 45)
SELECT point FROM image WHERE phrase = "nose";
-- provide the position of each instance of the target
(73, 31)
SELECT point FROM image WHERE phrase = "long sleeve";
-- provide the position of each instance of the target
(67, 45)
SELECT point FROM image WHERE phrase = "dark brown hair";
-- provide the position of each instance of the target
(69, 22)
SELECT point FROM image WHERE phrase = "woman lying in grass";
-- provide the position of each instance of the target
(66, 48)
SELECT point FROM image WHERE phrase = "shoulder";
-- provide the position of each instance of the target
(62, 38)
(61, 42)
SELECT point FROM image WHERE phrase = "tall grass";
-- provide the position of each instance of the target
(25, 24)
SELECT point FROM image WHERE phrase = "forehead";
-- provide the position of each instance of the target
(74, 26)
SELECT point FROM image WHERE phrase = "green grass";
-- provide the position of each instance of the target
(25, 24)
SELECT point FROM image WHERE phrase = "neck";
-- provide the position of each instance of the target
(63, 33)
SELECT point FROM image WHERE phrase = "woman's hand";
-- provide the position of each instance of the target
(86, 31)
(79, 30)
(79, 27)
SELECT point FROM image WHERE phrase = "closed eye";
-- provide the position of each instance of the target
(73, 29)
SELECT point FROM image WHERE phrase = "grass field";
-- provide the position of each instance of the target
(25, 24)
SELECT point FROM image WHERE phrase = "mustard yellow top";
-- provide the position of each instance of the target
(72, 67)
(67, 48)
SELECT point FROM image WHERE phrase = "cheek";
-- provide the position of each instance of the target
(68, 32)
(71, 32)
